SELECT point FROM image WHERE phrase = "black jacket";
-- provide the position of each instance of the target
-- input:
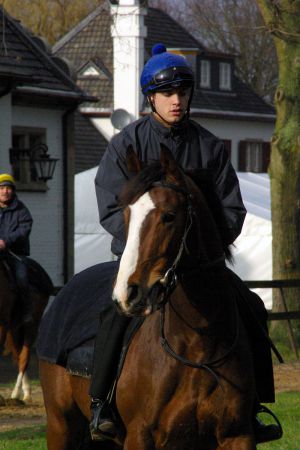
(193, 147)
(15, 227)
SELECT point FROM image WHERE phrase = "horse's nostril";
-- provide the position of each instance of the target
(133, 291)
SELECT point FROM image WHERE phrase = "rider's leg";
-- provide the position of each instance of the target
(107, 352)
(24, 292)
(254, 316)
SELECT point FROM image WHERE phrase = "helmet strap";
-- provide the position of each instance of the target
(186, 115)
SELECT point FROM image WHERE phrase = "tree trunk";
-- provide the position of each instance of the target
(282, 18)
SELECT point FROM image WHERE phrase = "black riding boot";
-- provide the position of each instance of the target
(19, 269)
(107, 352)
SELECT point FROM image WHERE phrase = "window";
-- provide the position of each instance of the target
(254, 156)
(24, 140)
(93, 71)
(225, 76)
(205, 74)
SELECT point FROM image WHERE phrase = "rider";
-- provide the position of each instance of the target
(168, 82)
(15, 228)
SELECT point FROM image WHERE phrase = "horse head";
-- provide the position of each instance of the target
(168, 224)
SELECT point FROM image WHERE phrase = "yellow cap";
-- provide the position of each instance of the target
(7, 180)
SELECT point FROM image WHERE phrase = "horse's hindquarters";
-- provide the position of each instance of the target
(67, 407)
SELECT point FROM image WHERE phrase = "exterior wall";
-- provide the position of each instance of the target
(46, 207)
(234, 130)
(237, 130)
(5, 133)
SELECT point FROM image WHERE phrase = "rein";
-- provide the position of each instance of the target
(169, 281)
(207, 365)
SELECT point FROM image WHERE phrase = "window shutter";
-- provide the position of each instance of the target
(266, 156)
(242, 156)
(227, 144)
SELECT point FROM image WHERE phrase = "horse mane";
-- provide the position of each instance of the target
(204, 181)
(141, 182)
(153, 172)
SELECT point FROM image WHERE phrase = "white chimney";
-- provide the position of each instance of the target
(128, 32)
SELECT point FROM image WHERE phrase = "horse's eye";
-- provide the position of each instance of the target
(168, 217)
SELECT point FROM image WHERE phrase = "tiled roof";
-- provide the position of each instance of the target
(26, 60)
(89, 144)
(241, 99)
(162, 28)
(91, 40)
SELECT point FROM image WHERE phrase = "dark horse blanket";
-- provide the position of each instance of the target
(38, 277)
(73, 317)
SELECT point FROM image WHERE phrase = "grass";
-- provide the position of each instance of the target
(287, 409)
(29, 438)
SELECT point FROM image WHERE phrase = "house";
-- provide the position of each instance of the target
(108, 50)
(38, 97)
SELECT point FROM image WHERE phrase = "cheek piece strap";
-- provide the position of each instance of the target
(186, 114)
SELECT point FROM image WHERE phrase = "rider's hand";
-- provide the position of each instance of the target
(2, 244)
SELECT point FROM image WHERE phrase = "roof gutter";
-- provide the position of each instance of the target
(81, 97)
(233, 114)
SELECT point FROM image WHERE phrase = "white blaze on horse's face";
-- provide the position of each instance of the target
(138, 213)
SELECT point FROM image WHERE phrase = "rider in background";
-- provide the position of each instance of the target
(15, 228)
(167, 81)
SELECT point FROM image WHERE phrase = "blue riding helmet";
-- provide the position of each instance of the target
(164, 71)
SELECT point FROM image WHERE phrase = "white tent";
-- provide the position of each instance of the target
(91, 241)
(253, 248)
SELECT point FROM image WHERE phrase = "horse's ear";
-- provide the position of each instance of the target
(133, 163)
(169, 164)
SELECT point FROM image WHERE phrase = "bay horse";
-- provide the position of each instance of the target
(16, 338)
(187, 379)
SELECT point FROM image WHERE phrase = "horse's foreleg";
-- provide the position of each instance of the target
(26, 388)
(238, 443)
(17, 391)
(23, 362)
(22, 383)
(138, 438)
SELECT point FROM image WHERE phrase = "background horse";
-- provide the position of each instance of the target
(187, 379)
(14, 337)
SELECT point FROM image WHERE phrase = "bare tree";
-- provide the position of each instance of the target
(50, 19)
(282, 18)
(235, 27)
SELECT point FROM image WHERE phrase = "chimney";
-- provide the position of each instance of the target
(128, 33)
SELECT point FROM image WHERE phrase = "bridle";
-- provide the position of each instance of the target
(169, 282)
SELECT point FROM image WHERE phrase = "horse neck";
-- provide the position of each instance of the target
(204, 242)
(204, 299)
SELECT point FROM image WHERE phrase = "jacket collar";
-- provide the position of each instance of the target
(12, 205)
(179, 131)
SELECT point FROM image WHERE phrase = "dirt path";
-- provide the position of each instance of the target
(17, 414)
(287, 378)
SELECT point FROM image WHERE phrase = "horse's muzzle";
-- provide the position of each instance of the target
(141, 302)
